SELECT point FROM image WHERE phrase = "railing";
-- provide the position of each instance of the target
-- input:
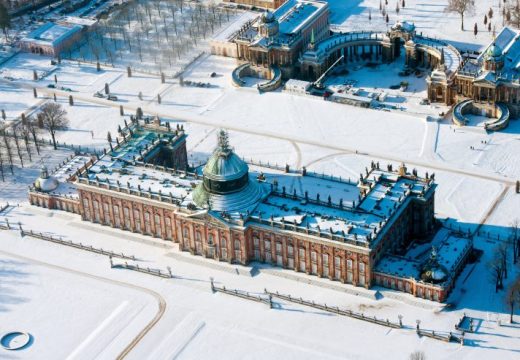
(450, 337)
(313, 232)
(241, 294)
(73, 244)
(459, 110)
(236, 75)
(309, 173)
(273, 83)
(336, 310)
(501, 122)
(146, 270)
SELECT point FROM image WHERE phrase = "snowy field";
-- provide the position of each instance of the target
(93, 316)
(46, 288)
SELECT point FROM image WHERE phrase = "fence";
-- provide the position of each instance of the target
(241, 294)
(156, 272)
(308, 173)
(337, 310)
(75, 245)
(450, 337)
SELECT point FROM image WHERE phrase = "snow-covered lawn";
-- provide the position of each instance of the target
(68, 314)
(429, 17)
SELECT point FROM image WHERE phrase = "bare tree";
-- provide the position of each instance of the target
(54, 118)
(17, 143)
(25, 135)
(514, 239)
(461, 7)
(513, 14)
(496, 266)
(9, 153)
(513, 297)
(33, 128)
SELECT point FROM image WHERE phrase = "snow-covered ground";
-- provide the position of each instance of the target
(429, 17)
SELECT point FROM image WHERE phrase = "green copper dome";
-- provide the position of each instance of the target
(493, 52)
(226, 185)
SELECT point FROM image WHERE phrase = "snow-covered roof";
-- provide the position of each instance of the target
(52, 34)
(333, 209)
(293, 17)
(505, 48)
(451, 249)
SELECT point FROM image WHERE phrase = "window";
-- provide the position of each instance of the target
(314, 256)
(325, 260)
(350, 277)
(126, 214)
(362, 268)
(106, 213)
(168, 225)
(117, 220)
(198, 243)
(361, 279)
(137, 220)
(237, 250)
(186, 233)
(86, 209)
(290, 251)
(210, 239)
(337, 268)
(223, 248)
(278, 248)
(96, 210)
(158, 231)
(147, 224)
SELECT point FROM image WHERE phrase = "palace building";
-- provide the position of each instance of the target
(263, 4)
(490, 84)
(277, 38)
(235, 212)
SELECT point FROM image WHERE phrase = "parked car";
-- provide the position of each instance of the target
(112, 97)
(98, 94)
(66, 89)
(51, 86)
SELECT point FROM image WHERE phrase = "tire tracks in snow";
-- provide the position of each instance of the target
(201, 120)
(161, 302)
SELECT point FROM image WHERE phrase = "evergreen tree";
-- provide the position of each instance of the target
(5, 19)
